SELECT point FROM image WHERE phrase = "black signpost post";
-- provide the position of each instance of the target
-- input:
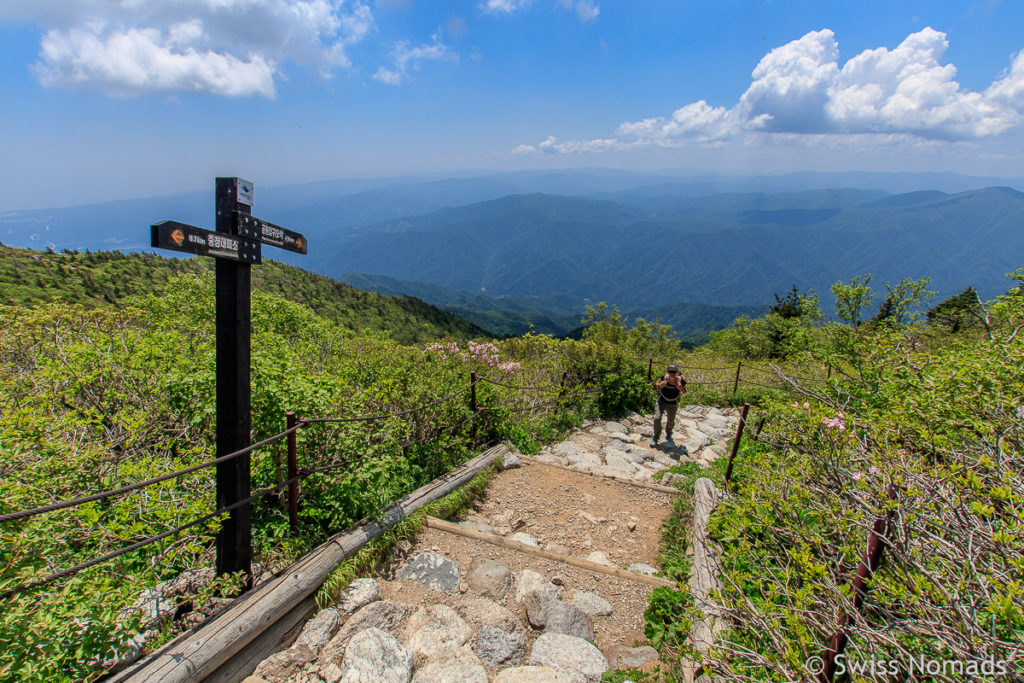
(236, 246)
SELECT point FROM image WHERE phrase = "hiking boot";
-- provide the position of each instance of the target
(654, 443)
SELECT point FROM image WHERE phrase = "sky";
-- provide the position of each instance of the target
(108, 99)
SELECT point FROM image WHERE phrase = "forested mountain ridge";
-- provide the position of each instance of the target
(110, 278)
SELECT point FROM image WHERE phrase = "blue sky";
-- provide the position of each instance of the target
(109, 99)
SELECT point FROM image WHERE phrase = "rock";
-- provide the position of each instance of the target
(599, 557)
(536, 593)
(282, 665)
(558, 580)
(489, 579)
(497, 648)
(359, 593)
(155, 607)
(616, 427)
(620, 463)
(694, 442)
(646, 431)
(557, 548)
(716, 419)
(373, 656)
(584, 458)
(384, 615)
(567, 449)
(523, 537)
(511, 461)
(641, 568)
(672, 479)
(626, 439)
(320, 629)
(552, 459)
(631, 525)
(572, 656)
(616, 445)
(479, 612)
(431, 571)
(432, 628)
(452, 665)
(531, 674)
(592, 603)
(662, 459)
(561, 617)
(634, 456)
(477, 526)
(621, 657)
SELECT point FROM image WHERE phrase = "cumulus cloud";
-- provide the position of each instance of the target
(800, 89)
(406, 57)
(586, 10)
(503, 6)
(224, 47)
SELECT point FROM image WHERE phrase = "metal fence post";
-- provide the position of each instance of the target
(736, 382)
(293, 470)
(736, 444)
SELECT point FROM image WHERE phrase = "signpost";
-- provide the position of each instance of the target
(236, 244)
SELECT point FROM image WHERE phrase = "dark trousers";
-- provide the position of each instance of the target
(669, 411)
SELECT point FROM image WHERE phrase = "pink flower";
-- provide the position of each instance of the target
(857, 476)
(807, 406)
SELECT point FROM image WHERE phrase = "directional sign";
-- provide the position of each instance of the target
(190, 239)
(268, 233)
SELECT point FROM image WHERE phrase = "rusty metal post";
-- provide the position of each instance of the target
(736, 382)
(650, 368)
(561, 391)
(757, 432)
(865, 568)
(472, 406)
(736, 444)
(293, 470)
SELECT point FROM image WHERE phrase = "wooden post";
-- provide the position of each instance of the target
(650, 369)
(293, 470)
(561, 392)
(736, 444)
(472, 406)
(234, 419)
(736, 382)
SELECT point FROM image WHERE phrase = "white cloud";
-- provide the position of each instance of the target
(406, 57)
(224, 47)
(503, 6)
(586, 10)
(800, 90)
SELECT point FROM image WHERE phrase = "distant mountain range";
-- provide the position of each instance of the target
(511, 250)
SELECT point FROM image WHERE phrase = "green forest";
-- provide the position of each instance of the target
(901, 405)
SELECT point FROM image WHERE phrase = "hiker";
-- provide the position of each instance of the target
(670, 388)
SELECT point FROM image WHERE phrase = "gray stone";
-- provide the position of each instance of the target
(452, 665)
(535, 593)
(625, 439)
(432, 628)
(374, 656)
(531, 674)
(599, 557)
(477, 526)
(567, 449)
(479, 612)
(552, 459)
(431, 571)
(320, 629)
(511, 461)
(672, 479)
(585, 458)
(561, 617)
(572, 656)
(497, 648)
(641, 568)
(615, 446)
(523, 537)
(489, 579)
(557, 548)
(592, 603)
(384, 615)
(634, 456)
(621, 657)
(282, 665)
(612, 426)
(359, 593)
(618, 462)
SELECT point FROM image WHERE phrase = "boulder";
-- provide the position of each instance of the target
(489, 579)
(479, 612)
(599, 557)
(592, 603)
(567, 449)
(431, 571)
(373, 656)
(282, 665)
(531, 674)
(359, 593)
(535, 593)
(641, 568)
(433, 628)
(570, 655)
(561, 617)
(319, 630)
(615, 427)
(511, 461)
(383, 615)
(622, 657)
(496, 647)
(453, 664)
(620, 463)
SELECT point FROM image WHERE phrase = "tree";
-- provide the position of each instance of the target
(959, 312)
(903, 301)
(852, 298)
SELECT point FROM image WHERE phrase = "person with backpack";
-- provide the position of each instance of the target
(670, 388)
